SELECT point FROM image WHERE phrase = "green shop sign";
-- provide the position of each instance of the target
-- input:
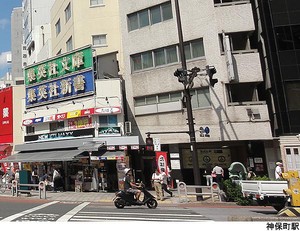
(59, 66)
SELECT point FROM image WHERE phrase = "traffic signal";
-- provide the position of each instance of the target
(149, 143)
(210, 71)
(181, 74)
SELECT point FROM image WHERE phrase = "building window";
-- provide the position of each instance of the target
(55, 126)
(68, 12)
(108, 120)
(242, 92)
(96, 2)
(150, 16)
(200, 98)
(99, 40)
(57, 27)
(69, 45)
(30, 130)
(240, 41)
(59, 52)
(166, 55)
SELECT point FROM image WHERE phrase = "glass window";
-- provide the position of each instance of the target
(109, 120)
(99, 40)
(200, 98)
(133, 23)
(167, 11)
(147, 60)
(144, 18)
(96, 2)
(187, 51)
(175, 96)
(60, 125)
(136, 62)
(151, 100)
(69, 44)
(155, 15)
(171, 53)
(57, 27)
(68, 12)
(197, 49)
(30, 130)
(140, 101)
(159, 57)
(163, 98)
(242, 92)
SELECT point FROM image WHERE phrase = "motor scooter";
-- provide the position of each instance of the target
(123, 199)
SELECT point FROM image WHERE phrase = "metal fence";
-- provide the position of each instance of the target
(40, 189)
(184, 191)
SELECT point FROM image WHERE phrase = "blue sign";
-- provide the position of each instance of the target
(72, 86)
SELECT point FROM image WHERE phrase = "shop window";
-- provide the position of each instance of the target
(30, 130)
(108, 120)
(55, 126)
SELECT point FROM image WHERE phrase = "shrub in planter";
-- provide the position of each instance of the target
(233, 193)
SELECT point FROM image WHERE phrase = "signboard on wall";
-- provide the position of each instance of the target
(6, 115)
(162, 161)
(212, 157)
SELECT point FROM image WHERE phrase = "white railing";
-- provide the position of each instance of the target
(40, 189)
(185, 190)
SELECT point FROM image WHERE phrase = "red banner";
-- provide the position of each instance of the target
(162, 161)
(6, 115)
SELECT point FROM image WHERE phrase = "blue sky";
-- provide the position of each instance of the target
(6, 7)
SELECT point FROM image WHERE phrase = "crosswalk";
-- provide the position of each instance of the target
(161, 216)
(56, 211)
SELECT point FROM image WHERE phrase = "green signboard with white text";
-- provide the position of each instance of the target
(59, 66)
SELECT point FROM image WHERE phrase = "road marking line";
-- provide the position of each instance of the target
(17, 215)
(72, 212)
(147, 214)
(83, 218)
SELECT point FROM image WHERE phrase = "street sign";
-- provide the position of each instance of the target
(156, 143)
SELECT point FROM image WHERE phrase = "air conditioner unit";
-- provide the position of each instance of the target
(127, 128)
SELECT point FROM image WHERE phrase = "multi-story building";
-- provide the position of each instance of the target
(279, 25)
(74, 117)
(17, 52)
(231, 120)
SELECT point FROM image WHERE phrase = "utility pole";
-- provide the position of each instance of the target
(187, 95)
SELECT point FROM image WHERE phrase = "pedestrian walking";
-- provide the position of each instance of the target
(164, 183)
(219, 174)
(156, 181)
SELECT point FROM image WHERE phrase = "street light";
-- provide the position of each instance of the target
(186, 80)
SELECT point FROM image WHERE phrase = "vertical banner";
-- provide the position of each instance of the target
(162, 161)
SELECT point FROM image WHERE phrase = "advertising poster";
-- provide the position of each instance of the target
(162, 161)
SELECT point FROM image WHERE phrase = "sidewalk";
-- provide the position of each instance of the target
(105, 197)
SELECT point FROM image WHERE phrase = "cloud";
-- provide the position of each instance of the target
(3, 23)
(3, 63)
(3, 58)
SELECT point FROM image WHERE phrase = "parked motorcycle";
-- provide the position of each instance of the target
(123, 199)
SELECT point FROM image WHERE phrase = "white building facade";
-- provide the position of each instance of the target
(214, 33)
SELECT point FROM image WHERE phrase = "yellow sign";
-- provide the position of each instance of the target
(73, 114)
(207, 157)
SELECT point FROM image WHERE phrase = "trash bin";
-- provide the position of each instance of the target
(25, 178)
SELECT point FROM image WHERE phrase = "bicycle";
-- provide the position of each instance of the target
(4, 185)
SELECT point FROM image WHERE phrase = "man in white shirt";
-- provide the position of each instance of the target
(278, 171)
(219, 173)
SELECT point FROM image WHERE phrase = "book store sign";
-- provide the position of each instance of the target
(65, 76)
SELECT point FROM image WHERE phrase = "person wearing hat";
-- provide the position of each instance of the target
(129, 185)
(278, 170)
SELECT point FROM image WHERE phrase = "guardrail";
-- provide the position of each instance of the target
(39, 188)
(185, 190)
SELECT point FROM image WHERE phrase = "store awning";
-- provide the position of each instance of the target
(45, 156)
(110, 155)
